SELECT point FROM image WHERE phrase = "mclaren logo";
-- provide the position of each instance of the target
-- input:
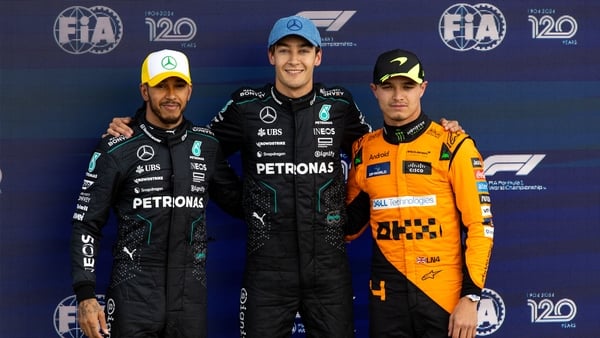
(401, 60)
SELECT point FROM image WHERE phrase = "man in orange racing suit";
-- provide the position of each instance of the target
(423, 192)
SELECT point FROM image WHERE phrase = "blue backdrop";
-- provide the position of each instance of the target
(522, 77)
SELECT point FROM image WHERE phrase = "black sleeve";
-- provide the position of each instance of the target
(355, 127)
(358, 213)
(468, 287)
(228, 127)
(91, 213)
(226, 188)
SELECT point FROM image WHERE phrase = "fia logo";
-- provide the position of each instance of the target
(66, 323)
(491, 312)
(79, 30)
(481, 27)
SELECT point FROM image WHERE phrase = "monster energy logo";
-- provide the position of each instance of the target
(400, 135)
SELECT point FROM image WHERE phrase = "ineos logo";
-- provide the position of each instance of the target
(294, 25)
(145, 153)
(268, 115)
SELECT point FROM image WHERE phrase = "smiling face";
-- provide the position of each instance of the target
(399, 99)
(166, 102)
(294, 59)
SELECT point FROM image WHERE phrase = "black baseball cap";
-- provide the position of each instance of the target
(398, 62)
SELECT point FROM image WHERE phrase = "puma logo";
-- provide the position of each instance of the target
(260, 218)
(130, 253)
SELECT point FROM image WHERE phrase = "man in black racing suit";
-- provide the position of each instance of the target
(289, 135)
(158, 184)
(294, 190)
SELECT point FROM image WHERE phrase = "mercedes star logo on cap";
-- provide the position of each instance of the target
(168, 62)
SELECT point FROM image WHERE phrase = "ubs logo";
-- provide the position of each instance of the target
(268, 115)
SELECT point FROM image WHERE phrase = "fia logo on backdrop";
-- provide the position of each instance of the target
(80, 30)
(66, 322)
(479, 27)
(491, 312)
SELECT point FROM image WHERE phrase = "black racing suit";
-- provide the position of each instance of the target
(157, 183)
(294, 192)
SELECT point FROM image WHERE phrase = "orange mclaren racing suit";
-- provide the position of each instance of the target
(430, 214)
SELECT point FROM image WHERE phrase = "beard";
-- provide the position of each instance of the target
(164, 118)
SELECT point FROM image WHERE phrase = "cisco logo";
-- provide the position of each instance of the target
(480, 27)
(80, 30)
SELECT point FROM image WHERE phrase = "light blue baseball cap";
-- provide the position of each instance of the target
(295, 25)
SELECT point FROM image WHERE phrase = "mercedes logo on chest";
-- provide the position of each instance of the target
(268, 115)
(145, 153)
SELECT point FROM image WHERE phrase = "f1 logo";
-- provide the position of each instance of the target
(522, 164)
(333, 20)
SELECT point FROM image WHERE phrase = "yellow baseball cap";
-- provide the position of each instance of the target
(163, 64)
